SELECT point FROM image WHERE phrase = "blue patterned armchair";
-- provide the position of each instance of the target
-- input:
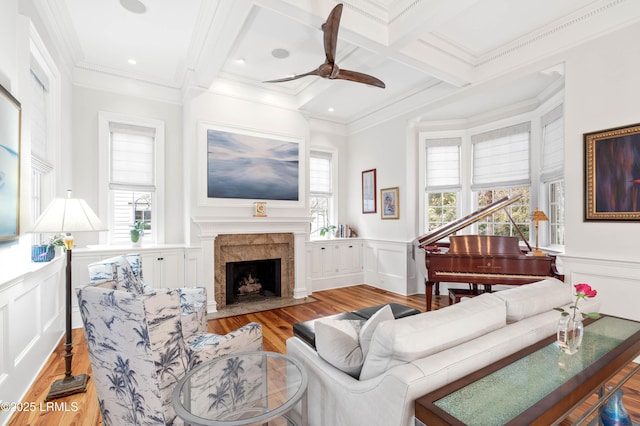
(125, 273)
(140, 345)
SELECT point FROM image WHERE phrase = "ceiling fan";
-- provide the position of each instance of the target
(329, 69)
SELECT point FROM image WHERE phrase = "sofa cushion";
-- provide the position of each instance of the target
(306, 330)
(532, 299)
(345, 343)
(407, 339)
(127, 279)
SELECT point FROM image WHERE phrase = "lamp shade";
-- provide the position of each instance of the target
(539, 216)
(68, 215)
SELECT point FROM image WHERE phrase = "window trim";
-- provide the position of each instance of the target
(104, 200)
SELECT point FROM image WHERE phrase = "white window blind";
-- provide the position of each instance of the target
(501, 157)
(552, 145)
(443, 164)
(320, 173)
(132, 165)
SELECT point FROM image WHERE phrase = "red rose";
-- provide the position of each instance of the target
(586, 290)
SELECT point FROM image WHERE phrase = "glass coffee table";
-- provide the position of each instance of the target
(537, 385)
(244, 388)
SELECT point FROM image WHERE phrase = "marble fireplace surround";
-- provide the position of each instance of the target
(246, 247)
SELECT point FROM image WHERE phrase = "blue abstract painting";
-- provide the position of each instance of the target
(251, 167)
(9, 166)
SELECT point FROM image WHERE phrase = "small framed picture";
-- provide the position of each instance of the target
(369, 204)
(390, 203)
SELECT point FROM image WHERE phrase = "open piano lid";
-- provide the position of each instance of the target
(456, 225)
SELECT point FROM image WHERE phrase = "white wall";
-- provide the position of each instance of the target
(87, 102)
(602, 91)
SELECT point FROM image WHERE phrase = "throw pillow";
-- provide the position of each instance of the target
(366, 333)
(337, 343)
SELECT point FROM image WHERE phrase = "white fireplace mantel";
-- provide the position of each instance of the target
(211, 227)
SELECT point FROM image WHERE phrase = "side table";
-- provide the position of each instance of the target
(243, 388)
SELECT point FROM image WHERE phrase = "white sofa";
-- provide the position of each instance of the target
(412, 356)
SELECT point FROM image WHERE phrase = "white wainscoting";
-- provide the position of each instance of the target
(391, 266)
(31, 325)
(617, 283)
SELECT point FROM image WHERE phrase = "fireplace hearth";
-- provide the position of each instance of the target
(253, 280)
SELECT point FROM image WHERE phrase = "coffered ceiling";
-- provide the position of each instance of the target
(438, 58)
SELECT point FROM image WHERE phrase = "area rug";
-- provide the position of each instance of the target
(253, 307)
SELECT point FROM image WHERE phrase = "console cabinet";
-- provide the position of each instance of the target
(334, 263)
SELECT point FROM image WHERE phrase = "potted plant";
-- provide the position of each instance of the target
(137, 232)
(45, 252)
(326, 230)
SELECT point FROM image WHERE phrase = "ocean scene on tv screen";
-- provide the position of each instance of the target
(251, 167)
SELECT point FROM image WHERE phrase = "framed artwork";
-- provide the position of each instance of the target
(390, 203)
(10, 115)
(612, 174)
(369, 202)
(248, 165)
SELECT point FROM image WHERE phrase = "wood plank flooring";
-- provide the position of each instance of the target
(82, 409)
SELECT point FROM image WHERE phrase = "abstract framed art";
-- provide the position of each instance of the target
(390, 203)
(10, 116)
(242, 164)
(612, 174)
(369, 192)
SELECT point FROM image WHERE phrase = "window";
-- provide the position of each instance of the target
(501, 168)
(552, 172)
(442, 181)
(499, 223)
(131, 166)
(321, 193)
(43, 96)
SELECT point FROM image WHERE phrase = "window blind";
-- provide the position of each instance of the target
(501, 157)
(132, 165)
(443, 164)
(552, 145)
(320, 173)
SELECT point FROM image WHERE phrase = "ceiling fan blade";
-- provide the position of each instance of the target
(360, 78)
(330, 29)
(295, 77)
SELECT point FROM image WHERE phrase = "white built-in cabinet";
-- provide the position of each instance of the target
(162, 266)
(334, 263)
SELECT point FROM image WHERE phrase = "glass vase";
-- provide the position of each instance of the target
(614, 413)
(570, 332)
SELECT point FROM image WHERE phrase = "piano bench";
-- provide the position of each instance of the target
(456, 294)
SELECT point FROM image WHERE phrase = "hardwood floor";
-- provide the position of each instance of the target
(82, 409)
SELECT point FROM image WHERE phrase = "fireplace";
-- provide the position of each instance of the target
(241, 248)
(253, 280)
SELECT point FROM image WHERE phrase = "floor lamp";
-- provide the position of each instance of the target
(67, 215)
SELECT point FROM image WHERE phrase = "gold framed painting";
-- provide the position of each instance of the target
(390, 203)
(612, 174)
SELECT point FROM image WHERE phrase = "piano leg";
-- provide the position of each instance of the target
(429, 293)
(437, 289)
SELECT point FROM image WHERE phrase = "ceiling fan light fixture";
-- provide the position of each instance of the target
(280, 53)
(134, 6)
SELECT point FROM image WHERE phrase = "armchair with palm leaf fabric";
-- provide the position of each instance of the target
(141, 343)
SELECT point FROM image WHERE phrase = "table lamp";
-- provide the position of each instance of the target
(66, 215)
(537, 217)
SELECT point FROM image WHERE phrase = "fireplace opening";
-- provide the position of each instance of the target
(253, 280)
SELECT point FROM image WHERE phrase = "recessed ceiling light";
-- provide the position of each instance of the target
(240, 61)
(134, 6)
(330, 109)
(132, 61)
(280, 53)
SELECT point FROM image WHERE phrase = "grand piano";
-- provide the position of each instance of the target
(481, 259)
